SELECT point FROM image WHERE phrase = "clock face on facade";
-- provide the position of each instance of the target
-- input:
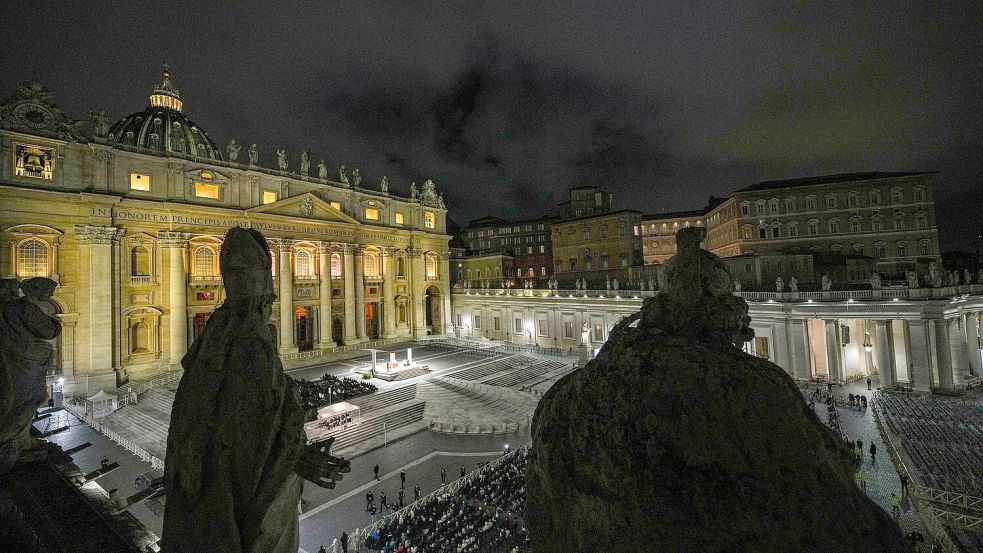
(34, 116)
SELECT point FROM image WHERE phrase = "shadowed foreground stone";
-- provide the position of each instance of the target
(673, 439)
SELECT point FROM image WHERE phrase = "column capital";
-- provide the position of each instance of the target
(413, 251)
(90, 234)
(172, 239)
(282, 244)
(324, 247)
(388, 251)
(354, 249)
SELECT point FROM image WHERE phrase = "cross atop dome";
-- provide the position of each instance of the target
(165, 94)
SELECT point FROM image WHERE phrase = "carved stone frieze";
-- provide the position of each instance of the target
(172, 239)
(90, 234)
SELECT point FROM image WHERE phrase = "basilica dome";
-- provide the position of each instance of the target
(162, 127)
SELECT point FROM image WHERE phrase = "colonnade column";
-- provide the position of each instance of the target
(959, 346)
(285, 273)
(800, 348)
(388, 301)
(177, 294)
(359, 257)
(884, 338)
(417, 283)
(349, 251)
(942, 355)
(833, 349)
(973, 342)
(325, 339)
(920, 372)
(445, 292)
(96, 330)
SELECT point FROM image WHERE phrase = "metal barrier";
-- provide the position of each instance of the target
(112, 435)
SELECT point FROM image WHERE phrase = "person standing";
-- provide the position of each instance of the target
(369, 500)
(862, 477)
(402, 479)
(401, 498)
(895, 504)
(462, 471)
(383, 502)
(344, 542)
(873, 454)
(904, 483)
(376, 471)
(416, 493)
(868, 383)
(372, 512)
(322, 550)
(443, 475)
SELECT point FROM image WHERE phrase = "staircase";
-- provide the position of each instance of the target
(380, 400)
(528, 373)
(486, 369)
(401, 420)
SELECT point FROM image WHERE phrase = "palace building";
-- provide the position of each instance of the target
(129, 218)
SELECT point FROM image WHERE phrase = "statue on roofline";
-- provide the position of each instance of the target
(233, 150)
(253, 154)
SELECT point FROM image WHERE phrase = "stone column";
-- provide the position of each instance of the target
(921, 369)
(388, 301)
(958, 346)
(973, 342)
(96, 328)
(942, 354)
(833, 349)
(359, 259)
(781, 355)
(285, 273)
(445, 291)
(884, 343)
(417, 282)
(349, 251)
(324, 298)
(177, 295)
(801, 360)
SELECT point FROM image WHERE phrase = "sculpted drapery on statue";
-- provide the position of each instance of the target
(253, 154)
(236, 449)
(233, 150)
(25, 359)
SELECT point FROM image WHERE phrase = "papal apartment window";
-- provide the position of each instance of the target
(811, 203)
(269, 196)
(830, 202)
(919, 195)
(140, 182)
(902, 251)
(789, 205)
(745, 211)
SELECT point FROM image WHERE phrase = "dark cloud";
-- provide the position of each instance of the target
(507, 104)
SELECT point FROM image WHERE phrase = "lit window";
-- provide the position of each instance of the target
(372, 214)
(371, 265)
(33, 161)
(304, 264)
(140, 181)
(204, 262)
(335, 266)
(399, 218)
(432, 266)
(209, 191)
(336, 205)
(269, 196)
(32, 259)
(429, 219)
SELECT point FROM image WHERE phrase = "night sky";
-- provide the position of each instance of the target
(507, 104)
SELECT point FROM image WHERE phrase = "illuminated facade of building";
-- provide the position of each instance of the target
(598, 247)
(129, 219)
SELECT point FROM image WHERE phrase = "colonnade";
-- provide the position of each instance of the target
(926, 344)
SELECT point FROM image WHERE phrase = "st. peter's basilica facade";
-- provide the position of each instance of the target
(129, 217)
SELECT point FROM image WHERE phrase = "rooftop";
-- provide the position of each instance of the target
(830, 179)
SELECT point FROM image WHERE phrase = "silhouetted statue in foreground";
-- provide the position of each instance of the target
(236, 452)
(673, 439)
(25, 358)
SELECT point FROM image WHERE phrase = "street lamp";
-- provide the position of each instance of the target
(867, 345)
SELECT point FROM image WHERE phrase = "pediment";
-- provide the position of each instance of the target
(304, 206)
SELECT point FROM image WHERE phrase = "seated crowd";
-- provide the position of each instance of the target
(315, 394)
(484, 515)
(337, 420)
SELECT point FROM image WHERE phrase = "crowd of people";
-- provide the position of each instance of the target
(485, 514)
(315, 394)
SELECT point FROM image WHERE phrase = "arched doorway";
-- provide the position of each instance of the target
(372, 320)
(431, 309)
(337, 330)
(305, 329)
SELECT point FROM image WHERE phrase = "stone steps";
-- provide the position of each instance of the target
(143, 425)
(402, 416)
(525, 374)
(161, 399)
(455, 405)
(380, 400)
(481, 371)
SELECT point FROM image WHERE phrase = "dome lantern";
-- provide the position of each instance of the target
(165, 95)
